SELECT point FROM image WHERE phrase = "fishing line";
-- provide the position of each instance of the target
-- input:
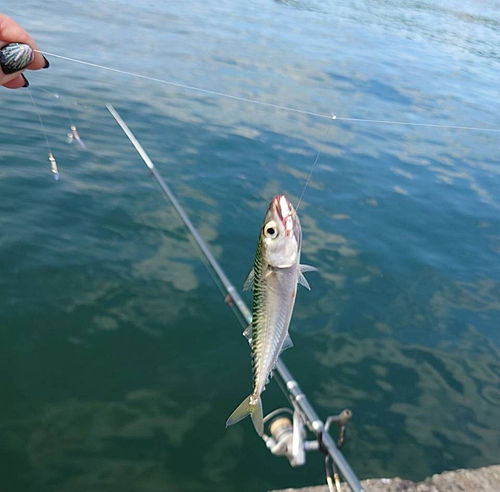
(183, 86)
(52, 160)
(267, 104)
(333, 117)
(73, 135)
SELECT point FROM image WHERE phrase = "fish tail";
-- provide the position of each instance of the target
(249, 406)
(257, 417)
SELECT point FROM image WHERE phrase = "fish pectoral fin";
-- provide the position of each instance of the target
(249, 281)
(302, 280)
(307, 268)
(247, 407)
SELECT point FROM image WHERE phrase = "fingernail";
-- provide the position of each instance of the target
(47, 63)
(26, 83)
(15, 57)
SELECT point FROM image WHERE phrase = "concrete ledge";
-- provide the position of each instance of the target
(480, 480)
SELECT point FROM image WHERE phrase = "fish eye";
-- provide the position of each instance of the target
(270, 230)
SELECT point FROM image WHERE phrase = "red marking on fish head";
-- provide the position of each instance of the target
(285, 211)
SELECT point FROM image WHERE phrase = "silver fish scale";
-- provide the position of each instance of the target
(273, 304)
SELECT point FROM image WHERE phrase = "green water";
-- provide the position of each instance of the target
(120, 362)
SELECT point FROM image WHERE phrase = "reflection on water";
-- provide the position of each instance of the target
(433, 405)
(483, 295)
(123, 444)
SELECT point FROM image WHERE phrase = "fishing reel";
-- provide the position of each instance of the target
(288, 436)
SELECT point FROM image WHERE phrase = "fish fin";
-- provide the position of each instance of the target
(302, 280)
(243, 409)
(248, 332)
(249, 281)
(258, 418)
(286, 344)
(247, 408)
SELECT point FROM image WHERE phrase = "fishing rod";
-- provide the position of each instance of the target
(304, 412)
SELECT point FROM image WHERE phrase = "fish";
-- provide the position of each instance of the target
(274, 278)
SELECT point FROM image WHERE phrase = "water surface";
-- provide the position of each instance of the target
(119, 360)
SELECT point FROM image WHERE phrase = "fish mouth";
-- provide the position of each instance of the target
(284, 211)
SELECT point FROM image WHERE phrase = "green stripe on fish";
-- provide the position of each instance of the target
(273, 279)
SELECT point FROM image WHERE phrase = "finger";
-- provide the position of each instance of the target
(11, 32)
(17, 82)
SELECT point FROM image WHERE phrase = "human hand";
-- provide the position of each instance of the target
(11, 32)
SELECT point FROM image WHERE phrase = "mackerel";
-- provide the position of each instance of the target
(273, 279)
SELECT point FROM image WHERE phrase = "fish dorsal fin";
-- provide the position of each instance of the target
(248, 284)
(302, 280)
